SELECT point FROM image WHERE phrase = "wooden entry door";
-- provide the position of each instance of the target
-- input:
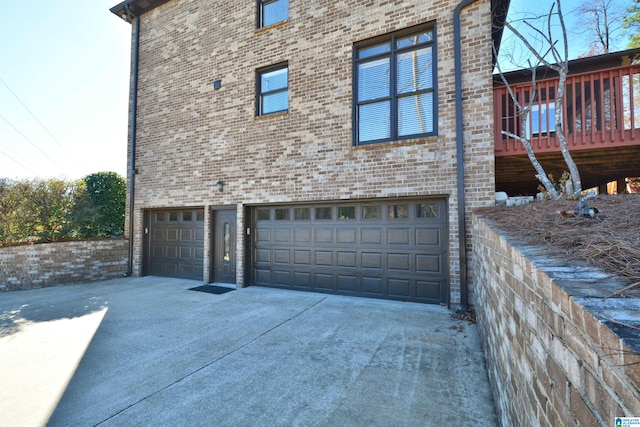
(224, 246)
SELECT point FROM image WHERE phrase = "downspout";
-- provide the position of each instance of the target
(462, 229)
(134, 111)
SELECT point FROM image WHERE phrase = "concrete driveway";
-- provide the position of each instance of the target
(148, 351)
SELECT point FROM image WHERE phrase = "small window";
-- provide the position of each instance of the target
(272, 11)
(200, 216)
(173, 216)
(227, 242)
(301, 214)
(427, 210)
(542, 119)
(346, 212)
(273, 89)
(186, 216)
(371, 212)
(263, 214)
(398, 211)
(324, 213)
(159, 216)
(282, 214)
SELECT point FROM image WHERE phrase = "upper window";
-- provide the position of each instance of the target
(273, 89)
(272, 11)
(394, 87)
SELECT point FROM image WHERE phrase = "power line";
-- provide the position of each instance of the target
(31, 142)
(24, 166)
(37, 120)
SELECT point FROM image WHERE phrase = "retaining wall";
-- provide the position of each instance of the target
(556, 347)
(50, 264)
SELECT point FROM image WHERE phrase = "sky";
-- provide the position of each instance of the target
(514, 56)
(64, 88)
(64, 84)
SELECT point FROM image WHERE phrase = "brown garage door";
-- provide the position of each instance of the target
(392, 249)
(176, 243)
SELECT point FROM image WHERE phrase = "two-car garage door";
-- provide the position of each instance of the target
(393, 250)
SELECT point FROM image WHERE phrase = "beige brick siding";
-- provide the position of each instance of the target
(554, 354)
(50, 264)
(190, 135)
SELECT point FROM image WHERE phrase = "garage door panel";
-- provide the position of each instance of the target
(282, 277)
(302, 257)
(302, 235)
(371, 260)
(263, 256)
(263, 276)
(347, 259)
(398, 236)
(372, 236)
(323, 258)
(400, 262)
(281, 235)
(399, 288)
(281, 256)
(347, 283)
(324, 282)
(372, 286)
(157, 250)
(302, 280)
(347, 235)
(171, 252)
(323, 235)
(186, 235)
(426, 290)
(429, 264)
(186, 252)
(428, 237)
(263, 235)
(395, 250)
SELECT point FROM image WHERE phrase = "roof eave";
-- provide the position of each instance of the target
(129, 10)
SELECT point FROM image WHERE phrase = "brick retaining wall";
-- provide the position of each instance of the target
(556, 352)
(50, 264)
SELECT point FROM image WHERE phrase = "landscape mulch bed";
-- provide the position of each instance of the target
(610, 241)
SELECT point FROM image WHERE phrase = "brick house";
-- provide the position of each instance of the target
(313, 147)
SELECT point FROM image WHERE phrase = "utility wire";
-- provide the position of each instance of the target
(37, 120)
(24, 166)
(31, 142)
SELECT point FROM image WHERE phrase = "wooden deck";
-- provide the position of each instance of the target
(601, 119)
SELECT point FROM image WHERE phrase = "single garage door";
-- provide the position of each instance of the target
(175, 243)
(392, 250)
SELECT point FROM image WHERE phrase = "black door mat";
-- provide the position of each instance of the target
(210, 289)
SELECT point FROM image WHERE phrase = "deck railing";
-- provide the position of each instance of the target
(601, 110)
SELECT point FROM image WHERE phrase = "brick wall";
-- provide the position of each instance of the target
(50, 264)
(555, 350)
(190, 135)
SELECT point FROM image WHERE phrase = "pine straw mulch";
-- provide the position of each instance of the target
(611, 241)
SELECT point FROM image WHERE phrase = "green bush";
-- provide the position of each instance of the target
(52, 210)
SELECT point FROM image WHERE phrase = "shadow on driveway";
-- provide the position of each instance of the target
(148, 351)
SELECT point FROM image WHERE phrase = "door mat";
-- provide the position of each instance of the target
(210, 289)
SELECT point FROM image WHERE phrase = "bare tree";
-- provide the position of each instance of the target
(558, 63)
(604, 19)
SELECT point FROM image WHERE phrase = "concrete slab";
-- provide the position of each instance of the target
(147, 351)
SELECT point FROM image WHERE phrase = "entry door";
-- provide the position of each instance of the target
(224, 247)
